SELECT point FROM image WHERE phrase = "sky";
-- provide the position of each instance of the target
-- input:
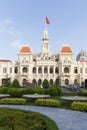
(22, 22)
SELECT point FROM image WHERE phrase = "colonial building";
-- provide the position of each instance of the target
(45, 65)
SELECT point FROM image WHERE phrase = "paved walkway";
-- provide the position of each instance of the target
(65, 119)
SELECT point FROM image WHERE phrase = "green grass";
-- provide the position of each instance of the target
(15, 119)
(69, 94)
(63, 103)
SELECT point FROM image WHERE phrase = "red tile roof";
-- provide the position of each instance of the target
(83, 60)
(25, 49)
(5, 61)
(66, 49)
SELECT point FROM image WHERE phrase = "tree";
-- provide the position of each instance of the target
(57, 85)
(58, 81)
(45, 84)
(15, 83)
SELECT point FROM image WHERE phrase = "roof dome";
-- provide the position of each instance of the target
(25, 49)
(66, 49)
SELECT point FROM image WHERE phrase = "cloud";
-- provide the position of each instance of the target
(7, 27)
(16, 44)
(7, 21)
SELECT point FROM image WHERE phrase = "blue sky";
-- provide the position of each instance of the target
(22, 22)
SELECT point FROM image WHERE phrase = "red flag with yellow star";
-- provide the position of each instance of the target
(47, 21)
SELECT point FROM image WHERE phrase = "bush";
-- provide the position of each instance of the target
(28, 91)
(39, 90)
(52, 91)
(58, 81)
(79, 106)
(4, 90)
(13, 119)
(83, 93)
(33, 90)
(17, 101)
(45, 84)
(47, 102)
(58, 88)
(15, 83)
(15, 92)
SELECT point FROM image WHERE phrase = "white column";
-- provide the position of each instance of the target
(37, 70)
(48, 69)
(54, 70)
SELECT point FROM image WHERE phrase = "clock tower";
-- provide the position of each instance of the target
(45, 46)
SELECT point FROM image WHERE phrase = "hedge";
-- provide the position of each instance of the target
(15, 92)
(17, 101)
(52, 91)
(47, 102)
(14, 119)
(4, 90)
(79, 106)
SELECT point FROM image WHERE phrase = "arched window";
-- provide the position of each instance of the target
(25, 70)
(16, 69)
(39, 82)
(51, 81)
(45, 70)
(39, 70)
(85, 82)
(66, 81)
(34, 70)
(75, 81)
(56, 60)
(75, 70)
(51, 70)
(56, 70)
(66, 70)
(24, 82)
(34, 81)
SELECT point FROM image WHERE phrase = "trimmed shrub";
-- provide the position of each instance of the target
(58, 88)
(15, 83)
(79, 106)
(45, 84)
(33, 90)
(83, 93)
(39, 90)
(15, 92)
(14, 119)
(20, 120)
(47, 102)
(52, 91)
(58, 81)
(17, 101)
(28, 91)
(4, 90)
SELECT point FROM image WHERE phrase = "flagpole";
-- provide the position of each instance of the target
(45, 25)
(46, 22)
